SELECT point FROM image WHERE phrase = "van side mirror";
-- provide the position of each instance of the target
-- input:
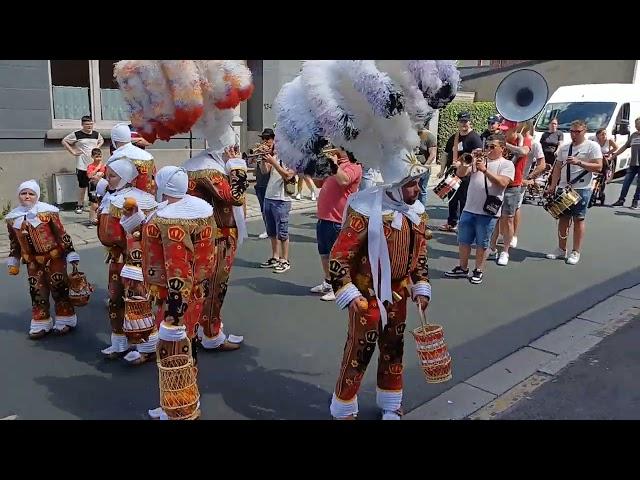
(622, 128)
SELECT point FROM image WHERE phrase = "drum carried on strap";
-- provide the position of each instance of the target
(562, 202)
(449, 184)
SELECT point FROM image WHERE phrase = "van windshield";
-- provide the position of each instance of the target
(596, 114)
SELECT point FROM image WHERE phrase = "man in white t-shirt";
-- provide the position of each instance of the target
(277, 205)
(489, 177)
(79, 144)
(576, 163)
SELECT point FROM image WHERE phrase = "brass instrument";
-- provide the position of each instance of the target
(260, 149)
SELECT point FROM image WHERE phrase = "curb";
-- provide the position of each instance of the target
(487, 394)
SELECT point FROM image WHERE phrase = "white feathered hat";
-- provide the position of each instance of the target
(370, 108)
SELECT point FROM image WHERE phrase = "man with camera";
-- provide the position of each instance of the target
(277, 205)
(489, 174)
(335, 190)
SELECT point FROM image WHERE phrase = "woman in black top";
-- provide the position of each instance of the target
(550, 142)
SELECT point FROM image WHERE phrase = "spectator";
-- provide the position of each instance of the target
(550, 142)
(464, 141)
(426, 155)
(95, 171)
(493, 127)
(277, 205)
(518, 148)
(305, 179)
(331, 205)
(80, 144)
(262, 179)
(633, 170)
(535, 166)
(489, 178)
(577, 162)
(607, 147)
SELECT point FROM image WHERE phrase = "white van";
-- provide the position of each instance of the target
(613, 106)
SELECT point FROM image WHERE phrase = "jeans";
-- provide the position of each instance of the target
(632, 171)
(459, 201)
(424, 186)
(276, 216)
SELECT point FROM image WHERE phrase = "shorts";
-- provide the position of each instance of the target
(512, 201)
(276, 218)
(474, 228)
(326, 235)
(83, 178)
(579, 211)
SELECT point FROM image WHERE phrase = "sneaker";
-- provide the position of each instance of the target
(492, 252)
(313, 196)
(514, 242)
(79, 211)
(263, 235)
(503, 259)
(457, 272)
(324, 287)
(298, 197)
(282, 266)
(476, 278)
(329, 297)
(619, 203)
(91, 226)
(557, 254)
(272, 262)
(573, 258)
(634, 205)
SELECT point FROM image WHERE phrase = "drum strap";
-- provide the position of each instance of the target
(577, 179)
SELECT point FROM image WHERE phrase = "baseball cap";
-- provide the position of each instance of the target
(508, 124)
(464, 117)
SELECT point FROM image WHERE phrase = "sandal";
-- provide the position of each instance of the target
(447, 228)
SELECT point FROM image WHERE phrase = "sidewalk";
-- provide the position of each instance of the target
(77, 225)
(603, 384)
(558, 375)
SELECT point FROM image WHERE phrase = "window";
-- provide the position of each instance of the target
(596, 114)
(85, 87)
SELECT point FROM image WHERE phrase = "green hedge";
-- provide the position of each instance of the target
(448, 120)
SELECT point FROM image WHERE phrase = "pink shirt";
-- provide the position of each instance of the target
(333, 197)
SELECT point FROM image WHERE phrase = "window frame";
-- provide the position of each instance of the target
(94, 98)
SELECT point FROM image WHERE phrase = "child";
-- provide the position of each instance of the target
(95, 171)
(38, 239)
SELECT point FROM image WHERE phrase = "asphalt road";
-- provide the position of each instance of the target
(293, 341)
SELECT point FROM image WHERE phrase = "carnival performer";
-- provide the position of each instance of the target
(379, 261)
(133, 333)
(220, 178)
(178, 263)
(38, 239)
(143, 160)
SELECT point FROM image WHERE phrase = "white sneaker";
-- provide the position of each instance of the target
(263, 235)
(573, 258)
(324, 287)
(514, 242)
(557, 254)
(503, 259)
(329, 297)
(313, 196)
(298, 197)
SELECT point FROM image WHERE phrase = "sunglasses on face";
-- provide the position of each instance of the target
(576, 131)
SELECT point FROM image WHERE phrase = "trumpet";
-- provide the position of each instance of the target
(260, 148)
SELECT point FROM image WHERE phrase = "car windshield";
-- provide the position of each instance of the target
(596, 114)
